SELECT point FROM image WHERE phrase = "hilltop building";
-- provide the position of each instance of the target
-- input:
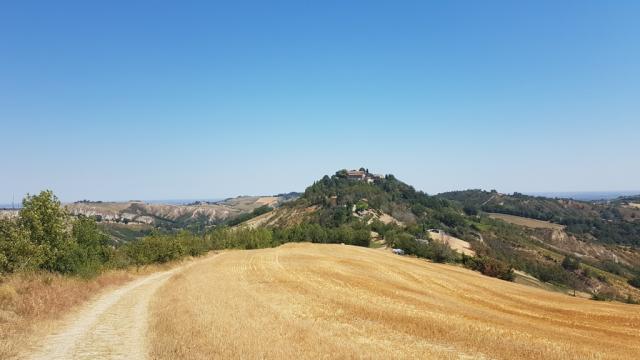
(363, 175)
(356, 174)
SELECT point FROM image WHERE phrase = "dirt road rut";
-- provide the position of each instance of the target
(112, 327)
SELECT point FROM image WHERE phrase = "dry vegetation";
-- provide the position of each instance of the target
(454, 243)
(284, 216)
(523, 221)
(29, 301)
(32, 303)
(333, 301)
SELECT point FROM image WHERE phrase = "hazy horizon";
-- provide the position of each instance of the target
(122, 101)
(576, 195)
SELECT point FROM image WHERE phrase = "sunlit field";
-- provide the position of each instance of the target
(336, 301)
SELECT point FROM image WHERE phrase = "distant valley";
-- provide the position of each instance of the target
(125, 221)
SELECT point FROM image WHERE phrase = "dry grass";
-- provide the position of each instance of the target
(267, 200)
(332, 301)
(282, 216)
(454, 243)
(31, 303)
(523, 221)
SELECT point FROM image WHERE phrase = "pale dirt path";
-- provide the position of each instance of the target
(114, 326)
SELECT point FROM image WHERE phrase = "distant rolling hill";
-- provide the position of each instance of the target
(586, 195)
(128, 220)
(615, 221)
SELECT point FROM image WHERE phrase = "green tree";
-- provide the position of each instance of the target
(571, 263)
(90, 248)
(44, 220)
(361, 206)
(88, 236)
(439, 252)
(17, 252)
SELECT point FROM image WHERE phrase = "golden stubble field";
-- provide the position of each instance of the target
(335, 301)
(528, 222)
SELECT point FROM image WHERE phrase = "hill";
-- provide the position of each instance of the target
(316, 301)
(384, 211)
(608, 222)
(339, 199)
(373, 295)
(125, 221)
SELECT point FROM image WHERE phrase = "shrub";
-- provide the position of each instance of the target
(571, 263)
(635, 282)
(154, 249)
(490, 267)
(361, 205)
(433, 250)
(602, 296)
(439, 252)
(612, 267)
(470, 210)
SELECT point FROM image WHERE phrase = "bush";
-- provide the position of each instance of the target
(612, 267)
(154, 249)
(571, 263)
(635, 282)
(439, 252)
(470, 210)
(490, 267)
(433, 250)
(604, 295)
(361, 206)
(551, 273)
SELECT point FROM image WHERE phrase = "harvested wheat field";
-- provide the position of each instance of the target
(528, 222)
(333, 301)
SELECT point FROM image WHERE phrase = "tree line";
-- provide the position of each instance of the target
(45, 237)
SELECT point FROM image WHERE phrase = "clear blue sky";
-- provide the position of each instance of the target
(116, 100)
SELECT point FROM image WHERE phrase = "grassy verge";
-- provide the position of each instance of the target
(32, 302)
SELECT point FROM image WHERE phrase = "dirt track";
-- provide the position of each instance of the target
(112, 327)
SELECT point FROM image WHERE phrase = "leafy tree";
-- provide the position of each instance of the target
(361, 205)
(88, 236)
(439, 252)
(17, 252)
(571, 263)
(90, 250)
(470, 210)
(44, 220)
